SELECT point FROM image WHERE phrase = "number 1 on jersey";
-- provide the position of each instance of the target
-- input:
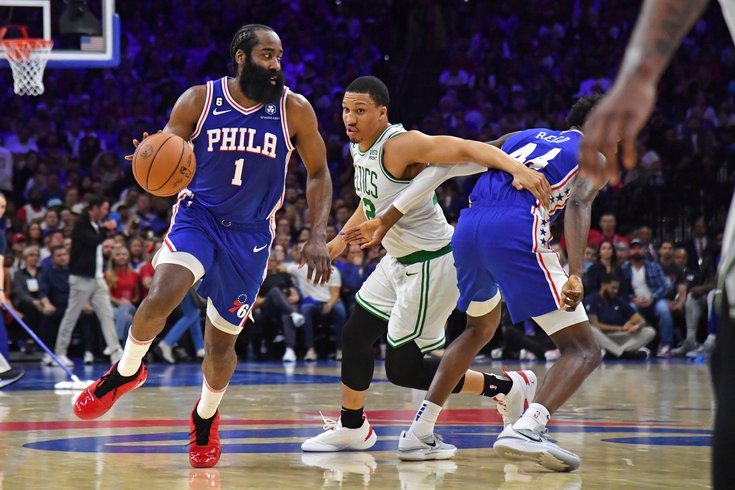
(237, 179)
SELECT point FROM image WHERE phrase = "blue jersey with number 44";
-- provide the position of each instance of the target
(553, 153)
(242, 156)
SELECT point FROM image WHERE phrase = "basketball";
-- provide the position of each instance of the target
(163, 164)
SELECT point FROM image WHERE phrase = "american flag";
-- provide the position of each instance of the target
(92, 43)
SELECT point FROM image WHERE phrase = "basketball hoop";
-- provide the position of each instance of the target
(27, 58)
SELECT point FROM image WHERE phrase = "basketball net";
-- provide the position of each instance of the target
(27, 58)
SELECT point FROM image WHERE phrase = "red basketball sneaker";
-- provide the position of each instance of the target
(204, 445)
(99, 397)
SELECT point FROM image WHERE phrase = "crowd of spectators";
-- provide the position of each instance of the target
(471, 69)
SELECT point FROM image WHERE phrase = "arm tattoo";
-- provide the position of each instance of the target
(584, 190)
(676, 18)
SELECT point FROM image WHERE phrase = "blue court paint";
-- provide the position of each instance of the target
(465, 437)
(186, 374)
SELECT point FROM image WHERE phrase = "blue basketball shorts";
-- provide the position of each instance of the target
(501, 246)
(230, 258)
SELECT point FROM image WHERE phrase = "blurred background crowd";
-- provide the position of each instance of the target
(472, 69)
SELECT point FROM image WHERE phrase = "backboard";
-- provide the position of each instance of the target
(72, 48)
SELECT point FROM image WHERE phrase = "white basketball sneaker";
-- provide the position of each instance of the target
(512, 405)
(338, 438)
(534, 445)
(411, 448)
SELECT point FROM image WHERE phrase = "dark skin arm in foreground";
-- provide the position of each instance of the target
(622, 113)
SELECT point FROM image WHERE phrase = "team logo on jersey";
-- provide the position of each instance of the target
(373, 155)
(270, 109)
(240, 306)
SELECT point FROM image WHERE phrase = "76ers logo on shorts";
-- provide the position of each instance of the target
(240, 306)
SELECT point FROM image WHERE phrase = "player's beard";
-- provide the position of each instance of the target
(255, 83)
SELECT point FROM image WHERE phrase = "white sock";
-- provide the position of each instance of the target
(423, 424)
(132, 356)
(208, 403)
(535, 416)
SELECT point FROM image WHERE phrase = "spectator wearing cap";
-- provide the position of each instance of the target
(86, 279)
(54, 202)
(644, 284)
(17, 245)
(622, 252)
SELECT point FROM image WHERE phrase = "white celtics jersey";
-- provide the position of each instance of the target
(424, 226)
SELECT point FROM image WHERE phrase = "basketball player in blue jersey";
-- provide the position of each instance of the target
(243, 130)
(502, 241)
(413, 290)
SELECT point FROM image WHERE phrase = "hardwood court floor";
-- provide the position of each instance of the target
(635, 425)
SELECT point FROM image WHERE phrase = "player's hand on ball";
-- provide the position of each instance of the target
(367, 234)
(572, 293)
(136, 143)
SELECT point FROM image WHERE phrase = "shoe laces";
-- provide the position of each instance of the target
(544, 434)
(434, 440)
(201, 430)
(438, 438)
(329, 424)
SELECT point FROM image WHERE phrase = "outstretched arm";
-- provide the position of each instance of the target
(309, 143)
(370, 233)
(623, 112)
(415, 146)
(184, 115)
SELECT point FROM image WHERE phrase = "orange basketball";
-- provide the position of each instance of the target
(163, 164)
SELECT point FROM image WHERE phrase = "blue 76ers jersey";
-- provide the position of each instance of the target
(504, 238)
(242, 155)
(553, 153)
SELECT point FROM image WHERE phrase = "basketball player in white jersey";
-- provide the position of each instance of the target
(414, 287)
(620, 116)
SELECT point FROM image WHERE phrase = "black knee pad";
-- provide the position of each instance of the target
(360, 333)
(407, 366)
(404, 366)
